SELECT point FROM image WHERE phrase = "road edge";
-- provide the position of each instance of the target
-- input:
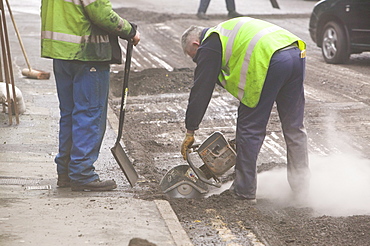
(177, 232)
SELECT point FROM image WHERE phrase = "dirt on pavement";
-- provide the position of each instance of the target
(154, 130)
(274, 225)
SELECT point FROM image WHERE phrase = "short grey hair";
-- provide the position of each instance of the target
(191, 34)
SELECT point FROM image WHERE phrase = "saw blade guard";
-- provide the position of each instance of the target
(182, 182)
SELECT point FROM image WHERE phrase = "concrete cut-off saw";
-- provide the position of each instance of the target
(191, 181)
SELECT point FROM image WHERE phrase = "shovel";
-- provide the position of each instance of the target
(117, 151)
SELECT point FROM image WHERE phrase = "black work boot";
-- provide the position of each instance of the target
(63, 181)
(231, 193)
(202, 16)
(96, 185)
(234, 14)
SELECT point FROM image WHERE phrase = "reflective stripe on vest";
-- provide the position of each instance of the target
(229, 46)
(79, 2)
(57, 36)
(252, 44)
(245, 60)
(79, 29)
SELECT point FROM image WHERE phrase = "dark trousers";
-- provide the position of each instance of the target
(283, 85)
(203, 6)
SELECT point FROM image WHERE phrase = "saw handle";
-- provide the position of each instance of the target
(198, 172)
(195, 146)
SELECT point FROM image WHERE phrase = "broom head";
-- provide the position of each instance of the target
(35, 74)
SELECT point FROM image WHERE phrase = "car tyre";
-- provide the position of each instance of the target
(334, 44)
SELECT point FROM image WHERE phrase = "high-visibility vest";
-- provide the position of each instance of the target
(78, 29)
(247, 47)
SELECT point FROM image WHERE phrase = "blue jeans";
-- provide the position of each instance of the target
(203, 5)
(283, 85)
(83, 98)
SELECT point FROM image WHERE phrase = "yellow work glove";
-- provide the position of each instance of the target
(187, 143)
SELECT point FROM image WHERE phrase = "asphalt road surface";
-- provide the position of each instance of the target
(337, 121)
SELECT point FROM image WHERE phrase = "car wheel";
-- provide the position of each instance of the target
(334, 44)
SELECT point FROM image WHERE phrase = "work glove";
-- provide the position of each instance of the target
(187, 143)
(131, 34)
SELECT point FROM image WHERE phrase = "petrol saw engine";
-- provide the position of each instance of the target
(190, 181)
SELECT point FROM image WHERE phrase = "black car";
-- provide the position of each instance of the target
(341, 28)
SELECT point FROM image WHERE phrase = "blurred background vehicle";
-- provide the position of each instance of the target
(341, 28)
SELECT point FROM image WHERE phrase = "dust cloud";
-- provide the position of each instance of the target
(340, 185)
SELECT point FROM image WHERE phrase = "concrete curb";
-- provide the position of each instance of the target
(177, 232)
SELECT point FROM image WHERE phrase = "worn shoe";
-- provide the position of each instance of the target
(250, 201)
(63, 181)
(234, 14)
(96, 185)
(230, 192)
(202, 16)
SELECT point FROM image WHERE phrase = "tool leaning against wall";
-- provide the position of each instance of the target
(9, 97)
(28, 72)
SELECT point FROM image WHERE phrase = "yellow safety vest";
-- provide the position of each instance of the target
(247, 47)
(79, 29)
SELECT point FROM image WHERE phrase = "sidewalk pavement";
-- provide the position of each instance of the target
(33, 211)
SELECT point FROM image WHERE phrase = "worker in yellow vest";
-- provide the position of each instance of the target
(259, 63)
(82, 39)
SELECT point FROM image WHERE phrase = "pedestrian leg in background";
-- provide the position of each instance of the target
(230, 6)
(203, 6)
